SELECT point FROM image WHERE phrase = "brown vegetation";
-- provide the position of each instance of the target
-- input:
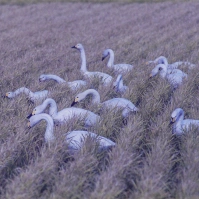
(148, 161)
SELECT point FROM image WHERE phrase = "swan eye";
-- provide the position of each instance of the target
(160, 69)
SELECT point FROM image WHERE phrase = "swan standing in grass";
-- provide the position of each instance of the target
(123, 103)
(175, 78)
(39, 95)
(119, 86)
(121, 68)
(177, 117)
(105, 78)
(75, 139)
(72, 85)
(87, 116)
(163, 60)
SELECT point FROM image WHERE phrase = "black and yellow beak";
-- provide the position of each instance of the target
(6, 95)
(29, 125)
(29, 116)
(73, 47)
(172, 120)
(103, 58)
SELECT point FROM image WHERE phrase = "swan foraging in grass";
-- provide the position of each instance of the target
(75, 139)
(39, 95)
(122, 68)
(105, 78)
(72, 85)
(163, 60)
(87, 116)
(119, 86)
(123, 103)
(177, 117)
(175, 77)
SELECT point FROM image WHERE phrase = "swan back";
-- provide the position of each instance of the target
(76, 139)
(45, 77)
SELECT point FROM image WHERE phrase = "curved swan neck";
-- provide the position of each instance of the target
(95, 94)
(180, 115)
(56, 78)
(163, 72)
(24, 90)
(119, 82)
(83, 58)
(111, 58)
(49, 134)
(53, 106)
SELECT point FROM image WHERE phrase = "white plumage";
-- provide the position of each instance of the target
(119, 86)
(72, 85)
(177, 117)
(39, 95)
(123, 103)
(175, 77)
(75, 139)
(89, 118)
(121, 68)
(105, 78)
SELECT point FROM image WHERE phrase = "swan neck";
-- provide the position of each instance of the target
(24, 90)
(163, 72)
(83, 58)
(56, 78)
(52, 108)
(95, 95)
(111, 59)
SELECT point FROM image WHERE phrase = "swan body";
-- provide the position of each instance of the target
(62, 116)
(119, 86)
(75, 139)
(122, 68)
(72, 85)
(105, 78)
(39, 95)
(174, 77)
(177, 117)
(123, 103)
(163, 60)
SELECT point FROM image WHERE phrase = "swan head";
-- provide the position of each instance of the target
(175, 114)
(78, 46)
(42, 78)
(77, 99)
(158, 69)
(105, 54)
(35, 111)
(32, 122)
(10, 95)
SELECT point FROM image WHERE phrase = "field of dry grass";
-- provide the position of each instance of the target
(148, 161)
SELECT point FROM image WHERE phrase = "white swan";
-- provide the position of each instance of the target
(123, 103)
(163, 60)
(87, 116)
(119, 86)
(39, 95)
(175, 77)
(105, 78)
(177, 117)
(75, 139)
(72, 85)
(122, 68)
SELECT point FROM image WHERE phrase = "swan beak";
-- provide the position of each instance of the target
(29, 125)
(150, 76)
(29, 116)
(73, 47)
(147, 63)
(6, 94)
(74, 102)
(39, 80)
(103, 58)
(173, 120)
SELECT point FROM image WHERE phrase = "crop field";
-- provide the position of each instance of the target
(148, 161)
